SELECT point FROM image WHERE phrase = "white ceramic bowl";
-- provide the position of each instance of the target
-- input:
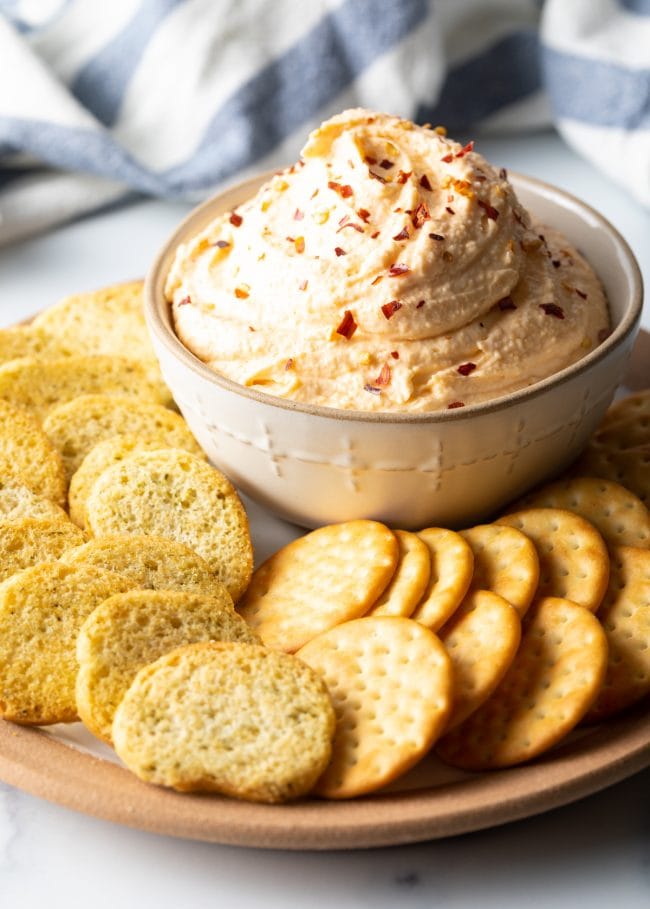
(315, 465)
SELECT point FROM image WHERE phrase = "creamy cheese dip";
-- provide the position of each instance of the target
(390, 269)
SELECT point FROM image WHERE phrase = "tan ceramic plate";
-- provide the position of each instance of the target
(66, 765)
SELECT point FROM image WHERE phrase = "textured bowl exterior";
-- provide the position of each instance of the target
(315, 465)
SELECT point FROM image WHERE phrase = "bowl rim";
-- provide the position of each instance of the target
(200, 216)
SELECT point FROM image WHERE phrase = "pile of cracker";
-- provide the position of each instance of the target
(128, 598)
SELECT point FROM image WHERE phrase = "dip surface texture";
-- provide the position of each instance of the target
(391, 269)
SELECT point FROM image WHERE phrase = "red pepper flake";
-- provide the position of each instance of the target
(402, 235)
(603, 334)
(581, 293)
(345, 191)
(449, 210)
(299, 243)
(396, 270)
(552, 309)
(465, 149)
(403, 176)
(344, 220)
(386, 164)
(424, 182)
(384, 377)
(370, 160)
(389, 309)
(364, 214)
(358, 227)
(235, 219)
(455, 404)
(222, 244)
(303, 285)
(555, 263)
(315, 193)
(184, 302)
(420, 304)
(298, 215)
(489, 210)
(339, 251)
(375, 176)
(518, 218)
(377, 280)
(480, 178)
(438, 237)
(394, 354)
(289, 364)
(372, 389)
(241, 293)
(448, 158)
(420, 215)
(375, 235)
(503, 174)
(347, 325)
(465, 368)
(506, 303)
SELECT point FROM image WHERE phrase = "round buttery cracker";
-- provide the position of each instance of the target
(153, 563)
(232, 718)
(104, 455)
(320, 580)
(19, 341)
(630, 467)
(481, 639)
(410, 579)
(635, 408)
(41, 611)
(452, 565)
(28, 541)
(27, 454)
(552, 682)
(621, 518)
(17, 501)
(171, 493)
(625, 617)
(130, 630)
(40, 385)
(76, 427)
(573, 558)
(505, 562)
(390, 681)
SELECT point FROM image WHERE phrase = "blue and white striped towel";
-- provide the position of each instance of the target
(175, 97)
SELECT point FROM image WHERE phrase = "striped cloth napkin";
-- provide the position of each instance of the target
(174, 98)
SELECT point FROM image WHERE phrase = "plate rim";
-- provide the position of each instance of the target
(47, 767)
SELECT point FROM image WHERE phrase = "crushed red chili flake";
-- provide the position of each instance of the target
(344, 190)
(235, 219)
(448, 158)
(394, 354)
(384, 377)
(364, 214)
(465, 368)
(465, 149)
(581, 293)
(455, 404)
(184, 302)
(389, 309)
(420, 215)
(372, 389)
(396, 270)
(518, 218)
(489, 210)
(370, 160)
(552, 309)
(480, 178)
(542, 238)
(314, 194)
(506, 303)
(555, 263)
(241, 293)
(424, 182)
(402, 235)
(358, 227)
(420, 304)
(375, 176)
(386, 164)
(603, 334)
(222, 244)
(303, 285)
(449, 210)
(375, 235)
(339, 251)
(344, 220)
(403, 176)
(289, 363)
(299, 244)
(347, 325)
(377, 280)
(298, 215)
(503, 174)
(436, 237)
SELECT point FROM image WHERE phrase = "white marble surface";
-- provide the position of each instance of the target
(597, 850)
